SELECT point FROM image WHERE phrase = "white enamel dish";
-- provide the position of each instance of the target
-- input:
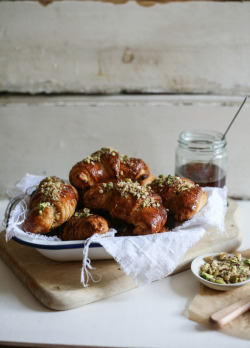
(195, 268)
(64, 250)
(56, 250)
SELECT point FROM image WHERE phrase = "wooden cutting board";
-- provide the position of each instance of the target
(57, 284)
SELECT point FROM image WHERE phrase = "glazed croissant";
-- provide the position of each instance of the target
(180, 196)
(107, 165)
(51, 204)
(130, 202)
(83, 225)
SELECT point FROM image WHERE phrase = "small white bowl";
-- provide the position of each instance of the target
(195, 268)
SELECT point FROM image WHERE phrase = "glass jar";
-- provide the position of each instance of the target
(202, 157)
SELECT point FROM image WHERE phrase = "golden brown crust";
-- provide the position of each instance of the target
(106, 165)
(129, 202)
(181, 196)
(51, 204)
(133, 168)
(83, 225)
(109, 158)
(148, 180)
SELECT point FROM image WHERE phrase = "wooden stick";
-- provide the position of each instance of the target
(231, 312)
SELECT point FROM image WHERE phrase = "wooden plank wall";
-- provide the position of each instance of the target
(47, 135)
(105, 47)
(189, 59)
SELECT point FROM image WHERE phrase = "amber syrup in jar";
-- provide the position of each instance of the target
(202, 157)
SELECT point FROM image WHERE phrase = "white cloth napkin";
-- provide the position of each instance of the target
(143, 258)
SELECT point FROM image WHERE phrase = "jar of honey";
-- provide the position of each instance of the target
(202, 157)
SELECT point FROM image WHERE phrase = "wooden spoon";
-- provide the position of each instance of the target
(231, 312)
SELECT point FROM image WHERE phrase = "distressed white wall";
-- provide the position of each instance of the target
(94, 46)
(100, 47)
(48, 135)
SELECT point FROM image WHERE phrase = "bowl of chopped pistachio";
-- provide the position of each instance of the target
(221, 271)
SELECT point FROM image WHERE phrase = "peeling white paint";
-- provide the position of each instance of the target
(49, 134)
(98, 47)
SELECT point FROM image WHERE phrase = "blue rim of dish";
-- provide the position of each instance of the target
(55, 247)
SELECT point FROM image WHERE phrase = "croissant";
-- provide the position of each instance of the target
(83, 225)
(130, 202)
(180, 196)
(107, 165)
(51, 204)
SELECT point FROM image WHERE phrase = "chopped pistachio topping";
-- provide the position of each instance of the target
(90, 160)
(42, 206)
(171, 180)
(125, 159)
(225, 269)
(82, 213)
(108, 185)
(96, 157)
(51, 187)
(135, 189)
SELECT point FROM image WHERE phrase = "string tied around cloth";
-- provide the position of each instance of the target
(86, 263)
(18, 202)
(13, 200)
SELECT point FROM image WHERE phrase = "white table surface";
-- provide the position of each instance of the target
(152, 316)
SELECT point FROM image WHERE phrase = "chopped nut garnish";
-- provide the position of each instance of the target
(174, 180)
(96, 157)
(51, 187)
(135, 189)
(225, 269)
(82, 213)
(42, 206)
(125, 159)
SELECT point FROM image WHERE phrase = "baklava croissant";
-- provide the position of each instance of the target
(83, 224)
(180, 196)
(107, 165)
(51, 204)
(130, 202)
